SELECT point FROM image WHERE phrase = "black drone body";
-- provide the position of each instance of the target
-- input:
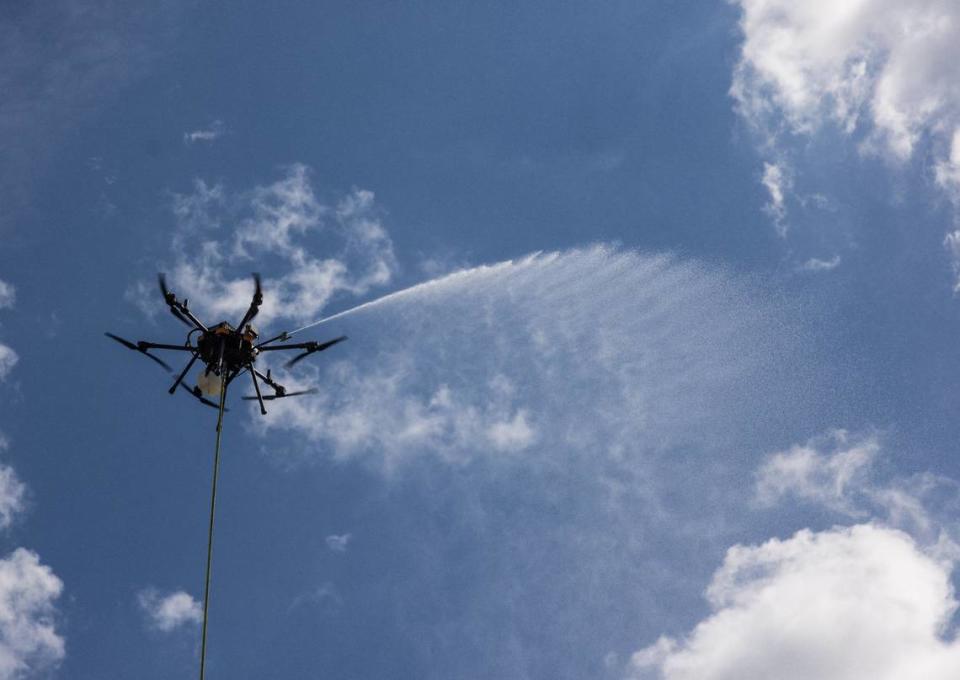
(225, 351)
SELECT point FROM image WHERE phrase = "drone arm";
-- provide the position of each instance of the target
(307, 348)
(277, 387)
(298, 345)
(177, 308)
(143, 345)
(254, 305)
(256, 388)
(183, 373)
(282, 337)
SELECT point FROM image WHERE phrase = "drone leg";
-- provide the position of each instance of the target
(256, 387)
(277, 387)
(183, 374)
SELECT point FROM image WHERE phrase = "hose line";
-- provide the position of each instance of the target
(213, 508)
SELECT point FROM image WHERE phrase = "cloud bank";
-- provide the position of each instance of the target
(846, 604)
(871, 600)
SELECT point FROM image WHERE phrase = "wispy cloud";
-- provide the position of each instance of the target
(60, 61)
(831, 471)
(776, 181)
(210, 134)
(8, 357)
(169, 612)
(325, 595)
(338, 542)
(840, 472)
(13, 494)
(817, 265)
(280, 227)
(8, 295)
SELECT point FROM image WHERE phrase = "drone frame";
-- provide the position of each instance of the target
(181, 311)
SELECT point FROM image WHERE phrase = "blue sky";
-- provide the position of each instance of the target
(681, 386)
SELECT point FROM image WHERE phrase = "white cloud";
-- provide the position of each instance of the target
(884, 66)
(324, 596)
(210, 134)
(840, 472)
(8, 295)
(881, 73)
(831, 478)
(515, 434)
(169, 612)
(845, 604)
(817, 265)
(280, 227)
(8, 359)
(338, 542)
(777, 182)
(29, 642)
(12, 495)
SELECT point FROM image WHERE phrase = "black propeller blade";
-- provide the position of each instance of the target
(197, 394)
(315, 347)
(169, 298)
(130, 345)
(269, 397)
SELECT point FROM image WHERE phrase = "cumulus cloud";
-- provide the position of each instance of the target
(169, 612)
(338, 542)
(29, 642)
(281, 227)
(844, 604)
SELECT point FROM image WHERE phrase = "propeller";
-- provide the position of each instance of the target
(170, 298)
(315, 347)
(269, 397)
(138, 348)
(197, 394)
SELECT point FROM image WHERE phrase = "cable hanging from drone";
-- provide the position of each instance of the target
(226, 352)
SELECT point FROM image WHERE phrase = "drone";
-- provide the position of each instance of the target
(226, 351)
